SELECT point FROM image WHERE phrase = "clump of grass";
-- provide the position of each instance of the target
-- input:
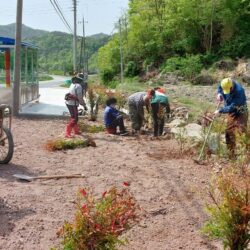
(64, 144)
(90, 128)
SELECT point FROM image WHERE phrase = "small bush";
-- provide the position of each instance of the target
(63, 144)
(131, 69)
(186, 66)
(90, 128)
(204, 79)
(107, 76)
(230, 211)
(99, 222)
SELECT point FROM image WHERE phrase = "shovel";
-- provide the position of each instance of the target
(198, 161)
(49, 177)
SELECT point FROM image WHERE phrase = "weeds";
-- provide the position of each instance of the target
(90, 128)
(63, 144)
(98, 223)
(181, 138)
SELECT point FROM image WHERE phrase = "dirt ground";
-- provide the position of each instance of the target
(171, 189)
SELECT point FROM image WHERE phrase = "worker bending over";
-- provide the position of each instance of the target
(235, 106)
(136, 103)
(160, 107)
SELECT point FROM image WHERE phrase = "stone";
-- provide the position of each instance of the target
(176, 123)
(192, 131)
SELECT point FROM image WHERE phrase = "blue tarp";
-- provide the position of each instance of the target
(10, 41)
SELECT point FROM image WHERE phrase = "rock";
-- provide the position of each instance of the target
(192, 131)
(246, 77)
(176, 123)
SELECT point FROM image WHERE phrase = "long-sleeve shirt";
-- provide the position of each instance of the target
(235, 102)
(110, 115)
(137, 99)
(161, 98)
(75, 90)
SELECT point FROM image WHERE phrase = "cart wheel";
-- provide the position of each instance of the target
(6, 146)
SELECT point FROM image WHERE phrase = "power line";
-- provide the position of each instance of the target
(60, 14)
(60, 10)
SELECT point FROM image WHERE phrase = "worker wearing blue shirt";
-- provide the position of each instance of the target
(112, 118)
(235, 106)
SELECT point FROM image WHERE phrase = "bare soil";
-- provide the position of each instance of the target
(169, 187)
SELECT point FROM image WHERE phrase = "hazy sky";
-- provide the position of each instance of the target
(100, 15)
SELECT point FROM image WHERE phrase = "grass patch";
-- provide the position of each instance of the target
(45, 78)
(64, 144)
(132, 85)
(195, 106)
(90, 128)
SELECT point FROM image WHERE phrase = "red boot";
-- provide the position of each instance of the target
(77, 129)
(68, 131)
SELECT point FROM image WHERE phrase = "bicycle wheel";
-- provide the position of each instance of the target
(6, 146)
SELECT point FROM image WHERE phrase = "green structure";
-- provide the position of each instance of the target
(29, 70)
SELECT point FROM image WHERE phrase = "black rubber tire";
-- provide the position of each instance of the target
(9, 155)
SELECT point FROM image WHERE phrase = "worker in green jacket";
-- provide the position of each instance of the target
(160, 107)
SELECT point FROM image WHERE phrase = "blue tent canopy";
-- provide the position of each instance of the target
(6, 42)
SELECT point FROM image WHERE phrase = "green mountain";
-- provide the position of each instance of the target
(55, 48)
(27, 32)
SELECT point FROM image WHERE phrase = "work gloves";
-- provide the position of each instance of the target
(219, 98)
(216, 113)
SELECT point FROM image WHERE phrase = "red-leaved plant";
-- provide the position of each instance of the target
(99, 222)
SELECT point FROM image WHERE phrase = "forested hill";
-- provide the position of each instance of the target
(55, 48)
(178, 35)
(27, 32)
(55, 51)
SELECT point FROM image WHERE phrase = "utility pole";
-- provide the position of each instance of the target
(17, 65)
(83, 48)
(121, 52)
(75, 37)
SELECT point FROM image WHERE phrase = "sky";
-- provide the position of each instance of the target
(100, 15)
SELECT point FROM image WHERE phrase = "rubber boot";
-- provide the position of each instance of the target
(68, 131)
(77, 129)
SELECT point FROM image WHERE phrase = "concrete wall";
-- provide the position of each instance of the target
(28, 94)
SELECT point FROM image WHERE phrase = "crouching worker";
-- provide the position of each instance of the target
(160, 107)
(72, 100)
(113, 119)
(235, 106)
(136, 103)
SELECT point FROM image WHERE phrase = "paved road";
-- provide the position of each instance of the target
(55, 83)
(51, 101)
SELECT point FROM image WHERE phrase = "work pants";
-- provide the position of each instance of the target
(158, 113)
(136, 116)
(236, 125)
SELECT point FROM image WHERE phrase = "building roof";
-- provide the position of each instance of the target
(7, 42)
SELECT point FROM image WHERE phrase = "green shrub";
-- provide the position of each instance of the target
(99, 222)
(107, 76)
(237, 47)
(131, 69)
(186, 66)
(230, 210)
